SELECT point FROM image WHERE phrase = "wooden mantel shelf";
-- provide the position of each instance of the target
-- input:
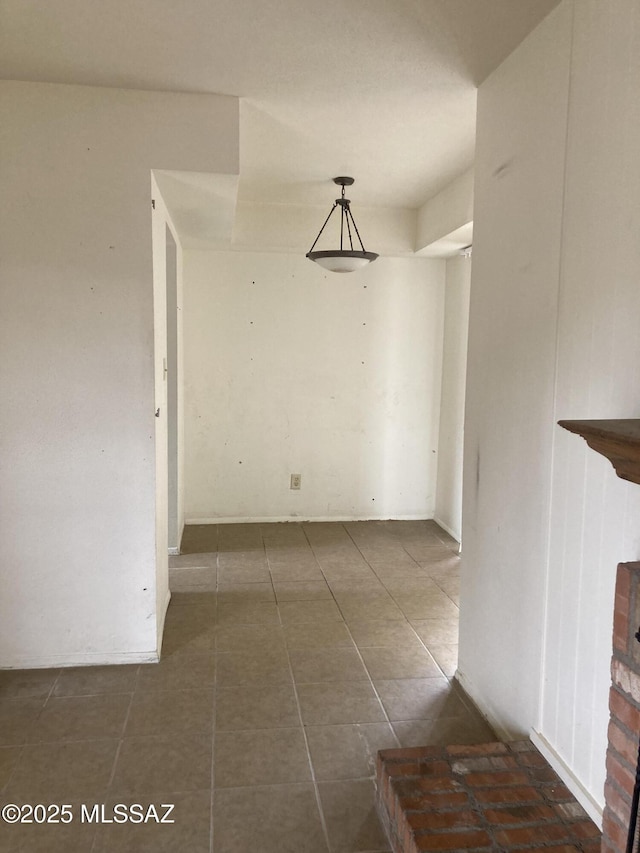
(618, 440)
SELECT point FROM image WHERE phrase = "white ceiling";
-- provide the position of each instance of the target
(383, 90)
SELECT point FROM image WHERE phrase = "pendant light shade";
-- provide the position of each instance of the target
(342, 259)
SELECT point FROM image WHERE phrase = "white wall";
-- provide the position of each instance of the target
(509, 405)
(291, 369)
(448, 510)
(78, 545)
(595, 517)
(554, 314)
(447, 211)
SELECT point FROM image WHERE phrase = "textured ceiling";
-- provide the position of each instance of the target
(380, 89)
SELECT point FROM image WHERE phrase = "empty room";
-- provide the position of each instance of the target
(320, 433)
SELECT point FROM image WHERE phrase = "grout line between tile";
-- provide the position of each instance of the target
(277, 548)
(115, 761)
(52, 688)
(14, 770)
(304, 735)
(362, 659)
(406, 619)
(26, 743)
(120, 742)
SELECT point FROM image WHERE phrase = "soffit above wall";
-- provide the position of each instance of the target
(450, 245)
(380, 89)
(202, 206)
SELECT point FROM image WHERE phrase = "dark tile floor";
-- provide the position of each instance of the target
(292, 653)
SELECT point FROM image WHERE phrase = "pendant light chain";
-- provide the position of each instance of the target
(342, 260)
(322, 229)
(357, 232)
(349, 228)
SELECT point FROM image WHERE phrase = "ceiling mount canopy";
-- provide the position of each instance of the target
(342, 260)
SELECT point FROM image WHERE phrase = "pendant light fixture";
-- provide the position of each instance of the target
(342, 260)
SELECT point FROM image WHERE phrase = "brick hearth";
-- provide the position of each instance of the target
(495, 796)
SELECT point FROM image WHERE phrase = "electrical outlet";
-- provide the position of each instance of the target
(296, 480)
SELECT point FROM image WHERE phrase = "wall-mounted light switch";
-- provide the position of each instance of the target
(296, 480)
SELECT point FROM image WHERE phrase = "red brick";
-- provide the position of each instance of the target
(621, 604)
(626, 746)
(522, 746)
(620, 631)
(522, 835)
(404, 768)
(617, 802)
(522, 794)
(623, 581)
(626, 679)
(555, 832)
(424, 784)
(570, 811)
(425, 801)
(417, 768)
(532, 759)
(434, 768)
(526, 806)
(432, 819)
(453, 840)
(613, 831)
(477, 749)
(533, 834)
(585, 829)
(620, 774)
(544, 774)
(557, 793)
(404, 833)
(487, 780)
(520, 814)
(622, 710)
(556, 848)
(462, 766)
(388, 804)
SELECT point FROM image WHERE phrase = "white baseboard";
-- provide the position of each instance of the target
(493, 717)
(163, 616)
(588, 802)
(80, 659)
(446, 527)
(91, 659)
(490, 713)
(299, 518)
(175, 551)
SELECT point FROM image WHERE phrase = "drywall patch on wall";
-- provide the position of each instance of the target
(290, 369)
